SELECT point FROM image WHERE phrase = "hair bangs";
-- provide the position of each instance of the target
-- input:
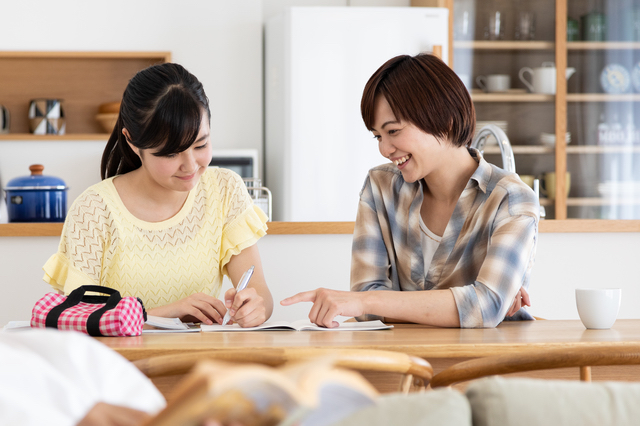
(377, 85)
(171, 132)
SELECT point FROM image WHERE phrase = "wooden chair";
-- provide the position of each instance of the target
(541, 359)
(416, 371)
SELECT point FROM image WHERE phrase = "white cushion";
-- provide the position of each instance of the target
(438, 407)
(529, 402)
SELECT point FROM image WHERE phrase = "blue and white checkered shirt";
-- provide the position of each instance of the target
(487, 250)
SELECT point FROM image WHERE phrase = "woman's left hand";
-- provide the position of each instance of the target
(327, 304)
(522, 299)
(246, 307)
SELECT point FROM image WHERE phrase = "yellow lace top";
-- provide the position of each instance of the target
(103, 244)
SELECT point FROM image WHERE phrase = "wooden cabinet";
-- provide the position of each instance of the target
(84, 80)
(603, 180)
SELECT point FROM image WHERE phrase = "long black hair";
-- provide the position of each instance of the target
(162, 106)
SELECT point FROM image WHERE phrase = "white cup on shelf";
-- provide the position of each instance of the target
(494, 82)
(598, 308)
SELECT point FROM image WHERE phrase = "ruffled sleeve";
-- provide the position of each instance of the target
(244, 222)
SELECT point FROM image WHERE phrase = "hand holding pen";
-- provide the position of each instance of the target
(241, 286)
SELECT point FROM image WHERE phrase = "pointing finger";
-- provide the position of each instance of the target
(305, 296)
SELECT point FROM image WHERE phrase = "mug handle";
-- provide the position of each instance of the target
(524, 80)
(481, 80)
(541, 185)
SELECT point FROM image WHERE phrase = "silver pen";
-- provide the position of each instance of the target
(243, 284)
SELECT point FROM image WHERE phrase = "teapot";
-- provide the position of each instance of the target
(543, 79)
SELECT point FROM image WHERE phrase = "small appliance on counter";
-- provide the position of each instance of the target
(36, 198)
(242, 161)
(245, 163)
(260, 195)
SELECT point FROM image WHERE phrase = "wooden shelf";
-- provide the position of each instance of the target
(537, 97)
(597, 201)
(503, 45)
(83, 80)
(512, 97)
(603, 45)
(65, 137)
(523, 149)
(317, 228)
(603, 97)
(570, 149)
(595, 149)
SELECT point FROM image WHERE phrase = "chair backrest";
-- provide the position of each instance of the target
(583, 357)
(416, 371)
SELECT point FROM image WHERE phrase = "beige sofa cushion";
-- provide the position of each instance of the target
(529, 402)
(444, 407)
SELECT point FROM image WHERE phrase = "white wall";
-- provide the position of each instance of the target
(295, 263)
(219, 41)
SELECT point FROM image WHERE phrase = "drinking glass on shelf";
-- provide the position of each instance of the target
(495, 26)
(526, 26)
(463, 27)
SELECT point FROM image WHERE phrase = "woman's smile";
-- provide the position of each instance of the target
(188, 177)
(402, 161)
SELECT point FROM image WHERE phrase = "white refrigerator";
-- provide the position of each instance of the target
(317, 62)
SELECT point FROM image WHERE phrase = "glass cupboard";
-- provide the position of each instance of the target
(563, 79)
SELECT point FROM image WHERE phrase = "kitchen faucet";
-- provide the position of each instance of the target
(508, 161)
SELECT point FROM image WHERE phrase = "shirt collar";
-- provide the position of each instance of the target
(482, 175)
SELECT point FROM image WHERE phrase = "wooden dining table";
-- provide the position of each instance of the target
(442, 347)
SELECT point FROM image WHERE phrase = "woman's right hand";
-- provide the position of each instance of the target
(327, 304)
(198, 307)
(522, 299)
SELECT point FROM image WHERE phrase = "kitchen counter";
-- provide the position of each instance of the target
(314, 228)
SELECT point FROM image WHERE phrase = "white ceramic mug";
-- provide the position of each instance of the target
(598, 308)
(543, 79)
(494, 82)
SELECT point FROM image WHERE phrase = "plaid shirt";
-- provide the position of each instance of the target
(486, 253)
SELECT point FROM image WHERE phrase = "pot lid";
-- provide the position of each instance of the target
(36, 181)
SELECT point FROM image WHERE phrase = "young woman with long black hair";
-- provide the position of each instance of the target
(162, 225)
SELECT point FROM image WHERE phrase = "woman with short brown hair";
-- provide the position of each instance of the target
(453, 235)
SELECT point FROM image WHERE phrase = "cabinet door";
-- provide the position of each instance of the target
(603, 109)
(504, 51)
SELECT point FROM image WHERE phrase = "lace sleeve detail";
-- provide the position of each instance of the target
(85, 241)
(235, 197)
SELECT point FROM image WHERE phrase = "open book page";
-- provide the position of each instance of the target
(311, 393)
(168, 325)
(13, 325)
(338, 392)
(302, 325)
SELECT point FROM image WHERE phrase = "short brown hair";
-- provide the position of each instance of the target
(424, 91)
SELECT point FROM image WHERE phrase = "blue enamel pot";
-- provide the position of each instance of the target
(36, 198)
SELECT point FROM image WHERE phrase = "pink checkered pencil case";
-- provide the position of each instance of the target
(111, 315)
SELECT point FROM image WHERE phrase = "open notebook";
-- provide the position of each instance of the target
(303, 325)
(168, 325)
